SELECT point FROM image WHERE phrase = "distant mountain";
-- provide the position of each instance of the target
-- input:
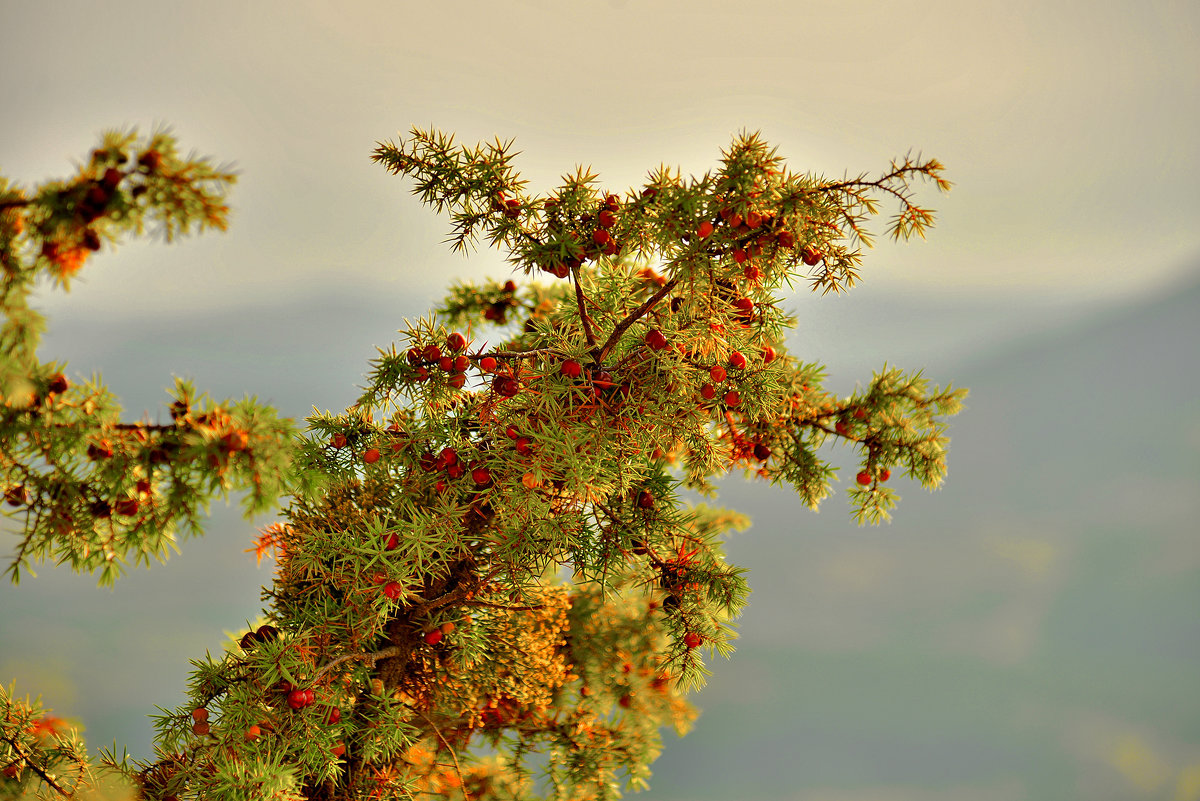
(1027, 632)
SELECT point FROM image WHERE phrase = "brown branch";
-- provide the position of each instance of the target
(372, 658)
(583, 315)
(33, 766)
(634, 316)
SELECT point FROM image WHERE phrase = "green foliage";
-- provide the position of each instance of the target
(486, 563)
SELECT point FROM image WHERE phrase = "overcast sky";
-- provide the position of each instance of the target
(1064, 125)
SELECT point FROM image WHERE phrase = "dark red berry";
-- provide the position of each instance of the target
(762, 452)
(481, 476)
(708, 392)
(126, 506)
(606, 219)
(507, 387)
(335, 715)
(645, 500)
(571, 368)
(433, 637)
(393, 590)
(737, 361)
(655, 340)
(58, 383)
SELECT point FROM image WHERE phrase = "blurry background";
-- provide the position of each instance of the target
(1030, 631)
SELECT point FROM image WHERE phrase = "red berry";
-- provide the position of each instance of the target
(704, 230)
(645, 500)
(744, 305)
(733, 398)
(649, 192)
(751, 272)
(625, 701)
(768, 354)
(601, 237)
(393, 590)
(126, 506)
(524, 446)
(298, 699)
(457, 380)
(571, 368)
(842, 427)
(338, 440)
(507, 387)
(512, 433)
(487, 364)
(335, 715)
(371, 456)
(338, 749)
(753, 219)
(447, 457)
(16, 496)
(655, 340)
(414, 355)
(740, 255)
(762, 452)
(446, 364)
(393, 542)
(461, 363)
(606, 219)
(811, 256)
(885, 474)
(692, 640)
(717, 373)
(253, 732)
(708, 392)
(236, 441)
(864, 478)
(433, 637)
(510, 286)
(612, 202)
(737, 361)
(100, 450)
(456, 342)
(785, 239)
(58, 383)
(481, 475)
(151, 160)
(860, 414)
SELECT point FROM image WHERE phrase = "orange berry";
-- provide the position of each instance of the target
(704, 230)
(371, 456)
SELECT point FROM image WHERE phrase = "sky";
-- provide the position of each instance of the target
(1063, 125)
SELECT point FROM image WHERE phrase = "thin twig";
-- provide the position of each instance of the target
(461, 782)
(372, 658)
(634, 316)
(583, 315)
(33, 766)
